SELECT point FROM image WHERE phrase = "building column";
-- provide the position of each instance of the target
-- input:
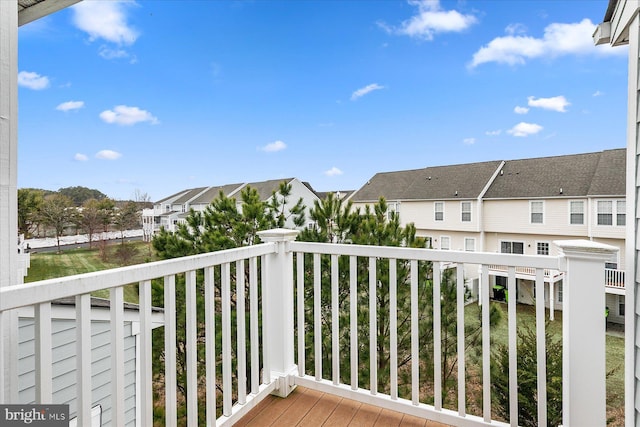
(8, 192)
(584, 333)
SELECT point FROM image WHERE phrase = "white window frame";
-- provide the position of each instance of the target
(442, 240)
(571, 213)
(560, 291)
(543, 243)
(436, 211)
(604, 211)
(532, 212)
(463, 211)
(623, 213)
(470, 244)
(618, 211)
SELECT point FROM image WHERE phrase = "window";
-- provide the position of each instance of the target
(465, 209)
(439, 211)
(469, 244)
(605, 212)
(576, 212)
(621, 305)
(537, 212)
(559, 292)
(512, 247)
(621, 211)
(542, 248)
(445, 243)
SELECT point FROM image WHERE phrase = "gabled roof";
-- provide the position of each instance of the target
(433, 183)
(576, 175)
(211, 193)
(266, 188)
(172, 197)
(610, 176)
(190, 194)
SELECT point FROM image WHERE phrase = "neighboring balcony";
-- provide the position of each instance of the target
(613, 279)
(215, 334)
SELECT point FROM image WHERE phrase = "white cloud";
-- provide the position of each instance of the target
(558, 40)
(274, 146)
(108, 53)
(469, 141)
(525, 129)
(365, 90)
(598, 93)
(108, 155)
(493, 132)
(556, 103)
(517, 28)
(127, 116)
(334, 171)
(32, 80)
(80, 157)
(105, 20)
(430, 20)
(520, 110)
(70, 105)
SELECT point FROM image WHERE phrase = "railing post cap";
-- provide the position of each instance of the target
(581, 247)
(278, 235)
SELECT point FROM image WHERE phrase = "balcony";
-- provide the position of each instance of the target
(265, 319)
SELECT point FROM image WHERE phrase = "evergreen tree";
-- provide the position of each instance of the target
(528, 378)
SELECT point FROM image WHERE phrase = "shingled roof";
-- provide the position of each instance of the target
(190, 194)
(213, 192)
(576, 175)
(265, 189)
(439, 182)
(610, 176)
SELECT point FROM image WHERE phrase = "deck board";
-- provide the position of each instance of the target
(306, 407)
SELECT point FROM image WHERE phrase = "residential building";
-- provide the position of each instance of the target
(516, 206)
(174, 209)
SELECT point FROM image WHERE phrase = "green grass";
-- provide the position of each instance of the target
(51, 265)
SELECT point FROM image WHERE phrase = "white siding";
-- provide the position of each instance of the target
(64, 366)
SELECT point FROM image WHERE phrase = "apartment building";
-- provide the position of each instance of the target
(174, 209)
(516, 206)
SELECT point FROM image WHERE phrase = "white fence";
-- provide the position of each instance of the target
(263, 319)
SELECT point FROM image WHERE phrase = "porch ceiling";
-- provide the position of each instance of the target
(30, 10)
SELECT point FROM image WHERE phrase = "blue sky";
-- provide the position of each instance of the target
(165, 95)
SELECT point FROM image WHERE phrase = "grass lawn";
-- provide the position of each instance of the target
(51, 265)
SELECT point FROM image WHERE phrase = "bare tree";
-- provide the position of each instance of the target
(57, 211)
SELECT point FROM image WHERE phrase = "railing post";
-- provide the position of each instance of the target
(583, 332)
(277, 310)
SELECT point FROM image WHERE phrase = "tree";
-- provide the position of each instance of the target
(334, 222)
(90, 218)
(528, 378)
(79, 194)
(29, 203)
(280, 210)
(220, 226)
(57, 212)
(126, 218)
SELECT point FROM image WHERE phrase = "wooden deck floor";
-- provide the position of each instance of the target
(306, 407)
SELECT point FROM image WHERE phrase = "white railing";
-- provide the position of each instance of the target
(316, 303)
(526, 271)
(614, 278)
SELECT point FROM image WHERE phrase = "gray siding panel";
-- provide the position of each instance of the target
(64, 366)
